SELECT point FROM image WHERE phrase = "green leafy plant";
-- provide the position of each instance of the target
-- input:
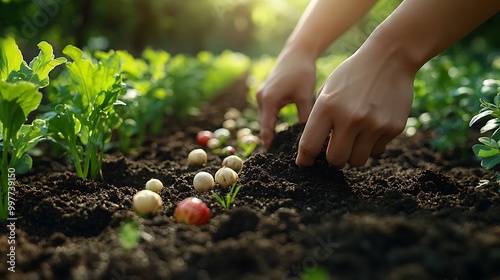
(489, 149)
(19, 96)
(228, 200)
(447, 95)
(146, 97)
(84, 115)
(160, 85)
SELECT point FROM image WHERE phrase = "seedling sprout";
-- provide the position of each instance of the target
(228, 200)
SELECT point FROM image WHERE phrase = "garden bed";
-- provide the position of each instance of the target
(408, 214)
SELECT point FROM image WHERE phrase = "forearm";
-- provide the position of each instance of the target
(323, 22)
(420, 29)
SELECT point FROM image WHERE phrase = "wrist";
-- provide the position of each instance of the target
(302, 49)
(382, 45)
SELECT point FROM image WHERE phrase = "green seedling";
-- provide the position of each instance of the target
(247, 149)
(129, 234)
(19, 96)
(85, 116)
(228, 200)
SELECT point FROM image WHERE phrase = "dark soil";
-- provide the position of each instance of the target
(410, 213)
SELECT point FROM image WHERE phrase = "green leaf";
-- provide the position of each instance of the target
(11, 58)
(488, 142)
(17, 100)
(135, 68)
(63, 123)
(157, 61)
(81, 77)
(483, 151)
(496, 135)
(480, 116)
(29, 135)
(24, 164)
(490, 125)
(490, 162)
(42, 64)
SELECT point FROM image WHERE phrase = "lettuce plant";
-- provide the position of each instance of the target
(84, 115)
(147, 93)
(19, 96)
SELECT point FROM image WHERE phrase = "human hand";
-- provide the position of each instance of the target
(364, 103)
(291, 81)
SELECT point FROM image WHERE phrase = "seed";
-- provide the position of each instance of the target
(229, 125)
(146, 202)
(154, 185)
(234, 162)
(203, 181)
(222, 134)
(213, 143)
(226, 176)
(192, 211)
(232, 114)
(242, 132)
(197, 157)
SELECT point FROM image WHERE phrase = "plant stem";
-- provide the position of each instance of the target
(4, 199)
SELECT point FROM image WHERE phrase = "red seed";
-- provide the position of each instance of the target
(192, 211)
(203, 136)
(228, 150)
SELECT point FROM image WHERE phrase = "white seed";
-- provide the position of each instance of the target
(197, 157)
(241, 123)
(242, 132)
(250, 139)
(213, 143)
(254, 125)
(203, 181)
(222, 133)
(234, 162)
(146, 202)
(154, 185)
(226, 176)
(229, 124)
(232, 114)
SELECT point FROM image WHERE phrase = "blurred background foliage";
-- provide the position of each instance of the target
(254, 27)
(258, 29)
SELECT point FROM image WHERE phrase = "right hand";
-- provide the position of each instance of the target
(292, 80)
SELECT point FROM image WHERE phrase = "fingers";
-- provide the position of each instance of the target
(382, 142)
(312, 139)
(270, 105)
(340, 146)
(362, 148)
(350, 143)
(304, 108)
(268, 116)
